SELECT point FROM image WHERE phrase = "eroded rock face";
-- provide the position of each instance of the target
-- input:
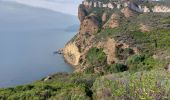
(109, 48)
(161, 9)
(89, 25)
(127, 12)
(82, 13)
(168, 67)
(72, 53)
(112, 22)
(146, 9)
(104, 17)
(144, 28)
(74, 50)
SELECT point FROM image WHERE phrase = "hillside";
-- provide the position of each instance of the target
(118, 54)
(108, 37)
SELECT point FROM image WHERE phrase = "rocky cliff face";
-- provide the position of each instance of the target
(160, 8)
(71, 53)
(79, 46)
(113, 31)
(90, 25)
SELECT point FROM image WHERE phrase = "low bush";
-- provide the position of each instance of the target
(96, 57)
(115, 68)
(146, 85)
(143, 62)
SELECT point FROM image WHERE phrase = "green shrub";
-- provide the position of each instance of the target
(143, 62)
(135, 59)
(137, 63)
(96, 57)
(89, 70)
(123, 54)
(115, 68)
(146, 85)
(166, 20)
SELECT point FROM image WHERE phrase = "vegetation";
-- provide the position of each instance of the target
(133, 75)
(152, 85)
(147, 85)
(141, 62)
(115, 68)
(96, 57)
(61, 87)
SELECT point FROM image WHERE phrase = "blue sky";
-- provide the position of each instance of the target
(64, 6)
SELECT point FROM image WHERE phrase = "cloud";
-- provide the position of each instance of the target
(64, 6)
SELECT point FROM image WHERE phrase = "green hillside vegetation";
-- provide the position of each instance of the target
(148, 85)
(144, 77)
(133, 76)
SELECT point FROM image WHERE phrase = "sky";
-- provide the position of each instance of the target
(65, 6)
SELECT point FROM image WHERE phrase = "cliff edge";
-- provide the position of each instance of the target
(113, 34)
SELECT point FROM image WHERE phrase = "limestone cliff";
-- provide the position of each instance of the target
(116, 32)
(71, 53)
(79, 46)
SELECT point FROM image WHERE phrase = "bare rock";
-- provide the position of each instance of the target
(47, 78)
(71, 53)
(144, 28)
(168, 68)
(127, 12)
(109, 47)
(82, 13)
(90, 25)
(104, 17)
(112, 22)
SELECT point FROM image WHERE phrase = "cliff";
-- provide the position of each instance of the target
(118, 54)
(117, 34)
(135, 5)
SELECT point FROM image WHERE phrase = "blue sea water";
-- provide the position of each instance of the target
(28, 38)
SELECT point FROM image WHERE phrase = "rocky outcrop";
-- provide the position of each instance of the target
(76, 50)
(135, 7)
(161, 9)
(168, 67)
(82, 13)
(127, 12)
(146, 9)
(96, 27)
(71, 53)
(144, 28)
(112, 22)
(109, 47)
(104, 17)
(89, 25)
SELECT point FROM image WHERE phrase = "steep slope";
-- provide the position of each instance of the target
(118, 54)
(118, 34)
